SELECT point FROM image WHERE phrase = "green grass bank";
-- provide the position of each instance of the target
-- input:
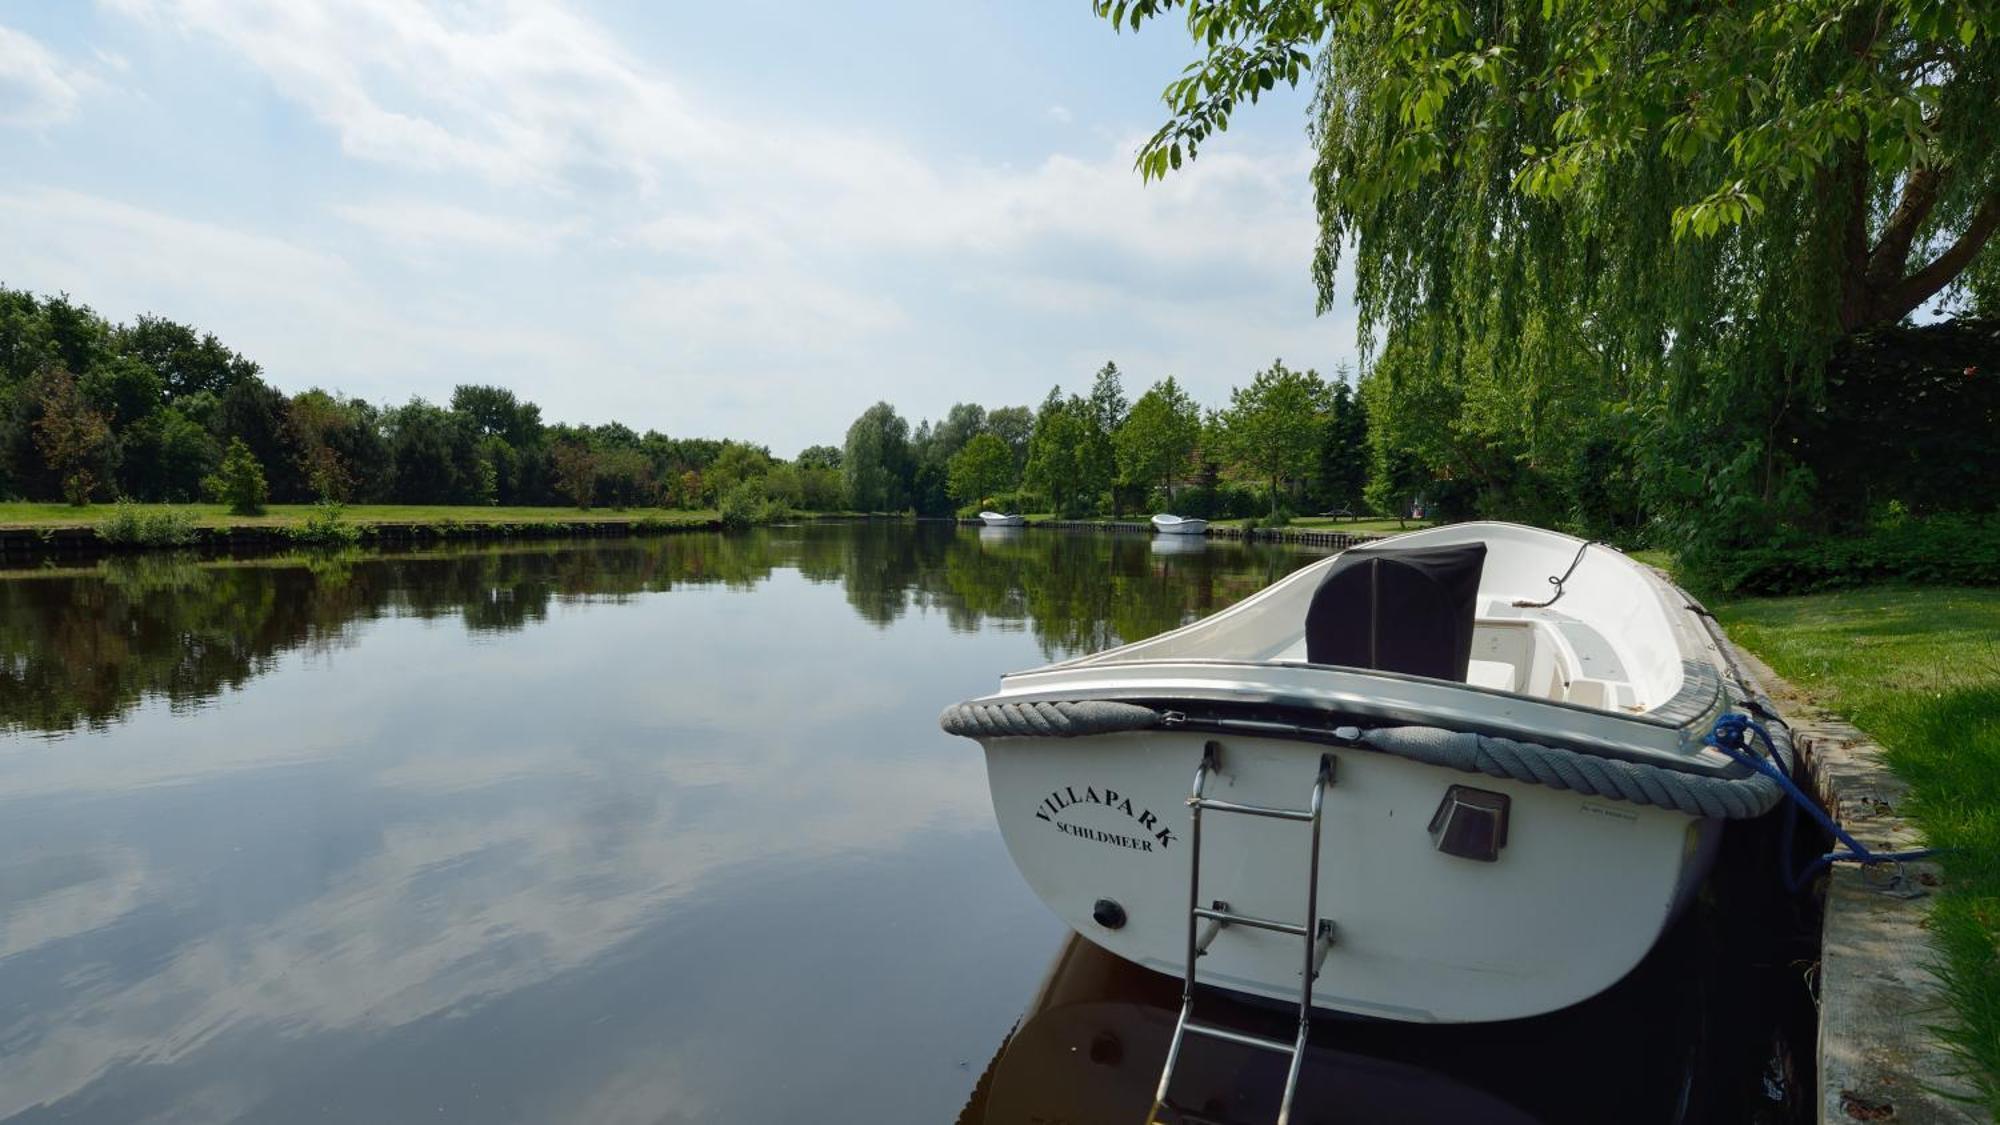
(1918, 669)
(20, 514)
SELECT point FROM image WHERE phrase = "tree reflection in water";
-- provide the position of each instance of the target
(82, 647)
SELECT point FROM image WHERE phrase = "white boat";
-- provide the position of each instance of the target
(1472, 758)
(1175, 525)
(1001, 519)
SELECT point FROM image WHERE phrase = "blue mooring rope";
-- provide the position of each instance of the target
(1728, 737)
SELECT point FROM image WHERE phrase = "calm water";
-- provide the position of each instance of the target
(651, 831)
(659, 831)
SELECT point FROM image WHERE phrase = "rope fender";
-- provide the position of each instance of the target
(1588, 774)
(1046, 720)
(1558, 768)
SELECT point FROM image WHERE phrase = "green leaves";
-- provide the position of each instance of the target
(1157, 439)
(1726, 208)
(1487, 148)
(1273, 425)
(1247, 57)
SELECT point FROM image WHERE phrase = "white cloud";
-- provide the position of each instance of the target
(1061, 114)
(528, 92)
(775, 315)
(420, 225)
(115, 883)
(515, 91)
(36, 88)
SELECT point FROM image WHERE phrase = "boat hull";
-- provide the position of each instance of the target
(993, 519)
(1576, 898)
(1167, 525)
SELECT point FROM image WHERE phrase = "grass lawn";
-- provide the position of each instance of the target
(279, 515)
(1918, 668)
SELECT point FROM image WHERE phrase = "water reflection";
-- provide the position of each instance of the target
(651, 831)
(81, 647)
(1093, 1040)
(1661, 1047)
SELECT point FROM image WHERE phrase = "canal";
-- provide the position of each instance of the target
(664, 830)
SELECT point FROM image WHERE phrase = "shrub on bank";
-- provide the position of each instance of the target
(1019, 502)
(1961, 550)
(1270, 521)
(326, 526)
(129, 525)
(239, 482)
(1221, 502)
(748, 503)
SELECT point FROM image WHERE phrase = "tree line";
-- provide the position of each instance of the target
(156, 410)
(1288, 441)
(159, 411)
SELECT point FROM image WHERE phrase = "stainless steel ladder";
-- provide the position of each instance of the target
(1316, 933)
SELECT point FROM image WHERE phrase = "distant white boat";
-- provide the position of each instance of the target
(1175, 525)
(1001, 519)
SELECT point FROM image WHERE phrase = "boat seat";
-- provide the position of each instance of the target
(1496, 674)
(1408, 611)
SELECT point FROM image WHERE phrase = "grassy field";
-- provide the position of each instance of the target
(284, 515)
(1918, 668)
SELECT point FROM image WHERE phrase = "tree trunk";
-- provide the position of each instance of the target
(1877, 289)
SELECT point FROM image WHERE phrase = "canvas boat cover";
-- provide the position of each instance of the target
(1409, 611)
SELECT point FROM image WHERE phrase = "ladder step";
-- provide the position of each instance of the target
(1244, 1038)
(1222, 914)
(1304, 815)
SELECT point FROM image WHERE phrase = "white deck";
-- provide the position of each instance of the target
(1614, 641)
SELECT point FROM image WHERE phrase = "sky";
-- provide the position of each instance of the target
(749, 220)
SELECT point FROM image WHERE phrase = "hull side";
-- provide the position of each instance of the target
(1576, 899)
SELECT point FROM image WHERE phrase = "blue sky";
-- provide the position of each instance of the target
(749, 219)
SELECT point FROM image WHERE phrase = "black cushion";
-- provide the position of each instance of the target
(1407, 611)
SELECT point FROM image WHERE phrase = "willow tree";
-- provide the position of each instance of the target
(1684, 208)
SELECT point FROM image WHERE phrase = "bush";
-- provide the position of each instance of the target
(326, 527)
(1021, 501)
(1221, 502)
(130, 525)
(1271, 522)
(748, 503)
(239, 482)
(1951, 549)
